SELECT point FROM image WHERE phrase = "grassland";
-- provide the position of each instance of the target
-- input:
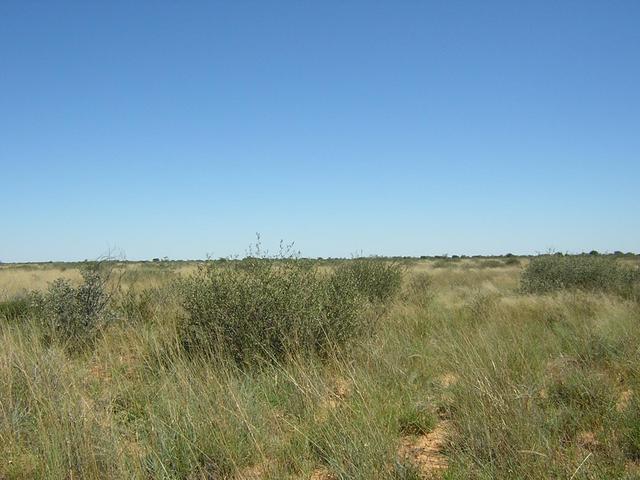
(461, 375)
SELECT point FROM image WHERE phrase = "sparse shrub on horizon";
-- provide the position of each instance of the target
(548, 273)
(491, 263)
(443, 263)
(512, 260)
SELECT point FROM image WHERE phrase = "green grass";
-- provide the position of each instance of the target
(527, 385)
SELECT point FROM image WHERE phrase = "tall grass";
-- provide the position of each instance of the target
(525, 386)
(378, 279)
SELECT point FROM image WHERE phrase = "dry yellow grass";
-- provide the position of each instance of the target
(17, 280)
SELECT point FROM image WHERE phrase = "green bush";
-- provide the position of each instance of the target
(76, 315)
(491, 263)
(549, 273)
(263, 308)
(511, 260)
(445, 263)
(377, 279)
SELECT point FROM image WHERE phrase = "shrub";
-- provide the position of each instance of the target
(443, 263)
(265, 308)
(592, 273)
(491, 263)
(76, 314)
(512, 261)
(377, 279)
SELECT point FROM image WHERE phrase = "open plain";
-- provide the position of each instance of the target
(453, 370)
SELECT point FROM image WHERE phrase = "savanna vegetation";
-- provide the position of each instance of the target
(288, 368)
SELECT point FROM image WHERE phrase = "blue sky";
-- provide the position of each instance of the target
(180, 129)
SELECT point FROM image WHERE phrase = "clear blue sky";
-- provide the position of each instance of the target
(387, 127)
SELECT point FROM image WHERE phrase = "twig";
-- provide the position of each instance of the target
(580, 466)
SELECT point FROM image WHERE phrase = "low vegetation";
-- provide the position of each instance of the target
(284, 368)
(550, 273)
